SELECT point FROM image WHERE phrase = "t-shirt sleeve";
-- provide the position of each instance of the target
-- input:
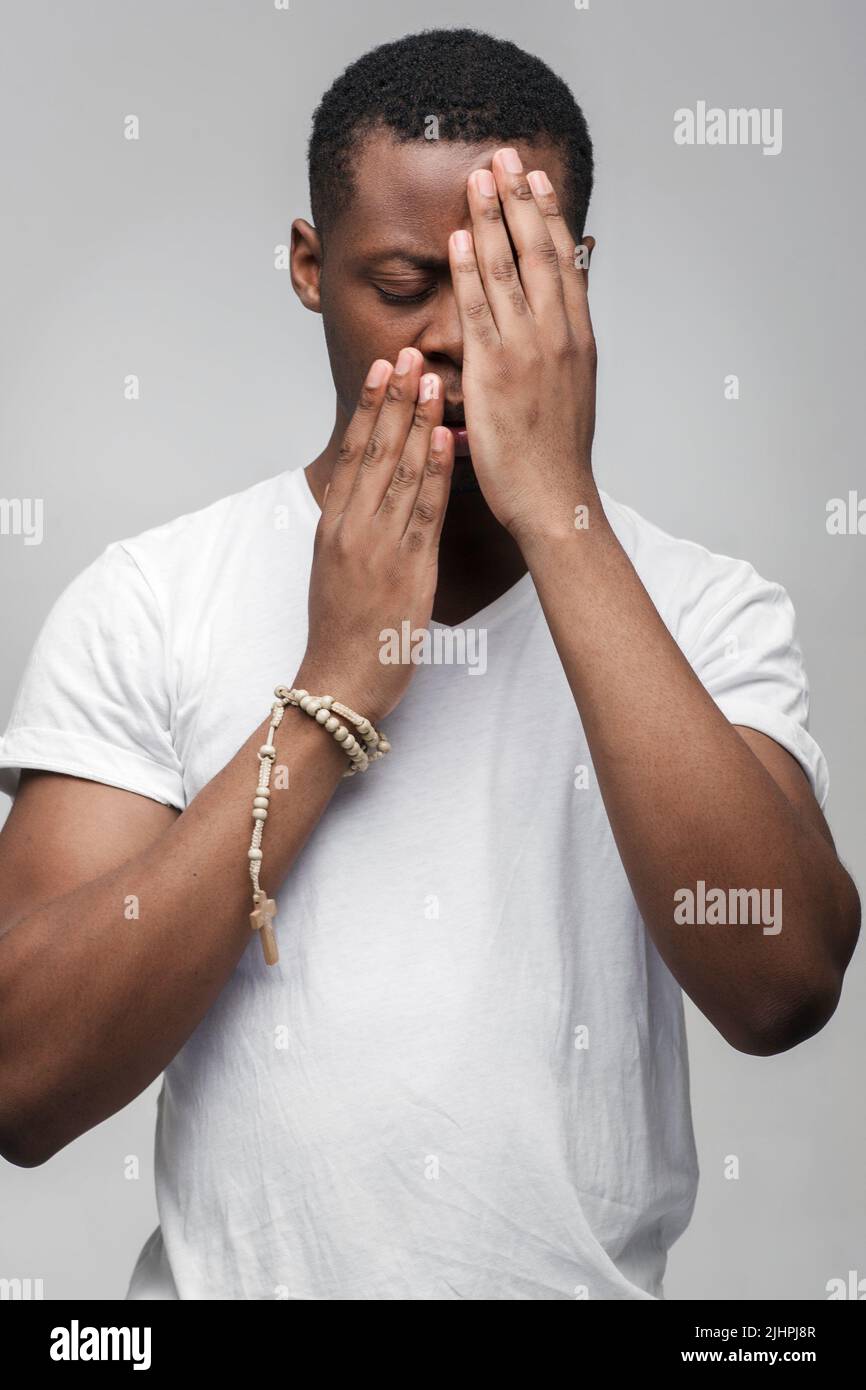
(748, 657)
(95, 700)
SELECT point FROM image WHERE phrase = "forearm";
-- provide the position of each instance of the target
(94, 1005)
(688, 800)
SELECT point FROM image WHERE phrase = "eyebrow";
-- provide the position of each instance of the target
(399, 253)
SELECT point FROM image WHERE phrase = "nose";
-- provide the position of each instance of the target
(442, 338)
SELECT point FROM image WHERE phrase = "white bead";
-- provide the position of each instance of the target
(331, 723)
(267, 750)
(322, 716)
(342, 734)
(254, 854)
(263, 791)
(259, 813)
(327, 701)
(260, 803)
(384, 745)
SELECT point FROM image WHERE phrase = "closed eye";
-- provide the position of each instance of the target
(390, 298)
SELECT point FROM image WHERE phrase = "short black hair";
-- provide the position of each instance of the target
(478, 87)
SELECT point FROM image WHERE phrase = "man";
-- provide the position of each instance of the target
(466, 1077)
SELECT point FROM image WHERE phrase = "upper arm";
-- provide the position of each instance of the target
(63, 832)
(91, 731)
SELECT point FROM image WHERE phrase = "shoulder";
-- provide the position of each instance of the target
(202, 556)
(199, 543)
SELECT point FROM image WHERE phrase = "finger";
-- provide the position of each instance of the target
(424, 526)
(384, 446)
(476, 319)
(537, 260)
(493, 253)
(573, 259)
(355, 439)
(405, 484)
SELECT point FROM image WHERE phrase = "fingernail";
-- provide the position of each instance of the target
(485, 182)
(377, 373)
(429, 388)
(439, 439)
(511, 160)
(404, 361)
(462, 242)
(540, 183)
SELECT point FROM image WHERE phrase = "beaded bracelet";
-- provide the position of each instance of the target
(324, 709)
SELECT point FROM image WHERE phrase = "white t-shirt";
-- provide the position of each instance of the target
(467, 1077)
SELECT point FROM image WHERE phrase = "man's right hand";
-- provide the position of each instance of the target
(375, 558)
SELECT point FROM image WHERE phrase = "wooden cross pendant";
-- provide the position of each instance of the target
(262, 920)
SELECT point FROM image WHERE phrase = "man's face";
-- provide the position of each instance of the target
(386, 283)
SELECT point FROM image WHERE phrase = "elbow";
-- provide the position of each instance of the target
(31, 1133)
(14, 1149)
(790, 1018)
(19, 1145)
(23, 1144)
(27, 1138)
(848, 911)
(804, 1006)
(26, 1144)
(788, 1024)
(29, 1090)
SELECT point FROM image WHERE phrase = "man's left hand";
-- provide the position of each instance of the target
(529, 356)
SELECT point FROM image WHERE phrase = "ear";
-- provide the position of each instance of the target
(306, 264)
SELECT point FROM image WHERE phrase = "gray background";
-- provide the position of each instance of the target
(156, 257)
